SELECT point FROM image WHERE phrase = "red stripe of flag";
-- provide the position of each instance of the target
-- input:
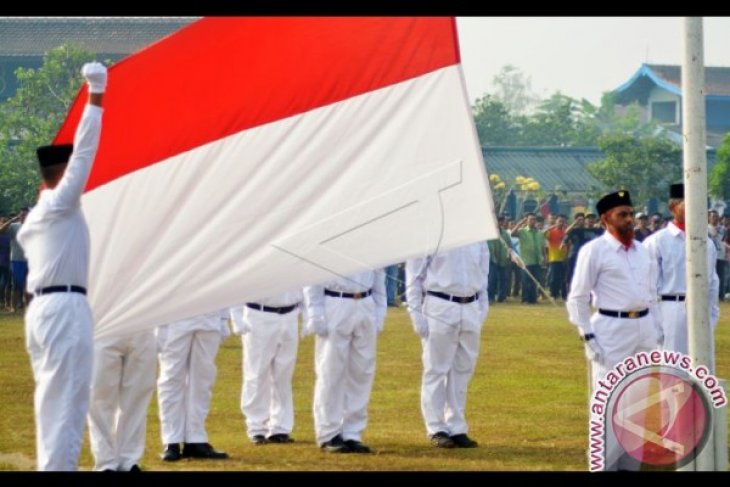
(219, 76)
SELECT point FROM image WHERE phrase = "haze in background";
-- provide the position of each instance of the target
(580, 56)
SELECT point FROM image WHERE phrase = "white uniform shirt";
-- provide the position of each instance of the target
(619, 280)
(55, 237)
(667, 247)
(452, 272)
(356, 283)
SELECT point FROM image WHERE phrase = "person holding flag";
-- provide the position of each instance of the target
(59, 324)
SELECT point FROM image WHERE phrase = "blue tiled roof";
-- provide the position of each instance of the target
(33, 36)
(563, 168)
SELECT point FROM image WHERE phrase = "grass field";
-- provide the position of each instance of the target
(527, 403)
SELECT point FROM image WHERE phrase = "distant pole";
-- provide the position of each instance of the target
(695, 200)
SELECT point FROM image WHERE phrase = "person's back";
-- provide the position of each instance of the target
(59, 321)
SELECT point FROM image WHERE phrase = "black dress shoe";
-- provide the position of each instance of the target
(280, 438)
(357, 446)
(171, 453)
(336, 445)
(135, 468)
(202, 450)
(442, 439)
(259, 440)
(463, 441)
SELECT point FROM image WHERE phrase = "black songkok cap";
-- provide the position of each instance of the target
(677, 191)
(612, 200)
(50, 155)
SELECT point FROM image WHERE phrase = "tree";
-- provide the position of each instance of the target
(560, 121)
(495, 124)
(719, 184)
(645, 166)
(32, 117)
(514, 90)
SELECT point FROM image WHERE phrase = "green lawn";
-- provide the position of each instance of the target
(527, 402)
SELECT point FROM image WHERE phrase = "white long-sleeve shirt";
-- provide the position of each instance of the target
(667, 247)
(356, 283)
(462, 272)
(55, 237)
(619, 279)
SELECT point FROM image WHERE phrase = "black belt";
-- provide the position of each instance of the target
(455, 299)
(624, 314)
(270, 309)
(59, 289)
(361, 295)
(672, 297)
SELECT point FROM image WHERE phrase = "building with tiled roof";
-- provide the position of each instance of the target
(24, 40)
(561, 170)
(657, 88)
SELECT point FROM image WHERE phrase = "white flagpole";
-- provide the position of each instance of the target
(695, 200)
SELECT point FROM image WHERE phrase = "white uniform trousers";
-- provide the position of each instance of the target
(185, 384)
(674, 325)
(125, 369)
(59, 339)
(345, 367)
(449, 357)
(619, 338)
(269, 356)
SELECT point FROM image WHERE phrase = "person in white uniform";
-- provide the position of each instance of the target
(448, 303)
(269, 335)
(346, 314)
(187, 352)
(58, 323)
(667, 247)
(121, 388)
(620, 275)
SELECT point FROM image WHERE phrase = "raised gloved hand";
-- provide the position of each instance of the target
(96, 76)
(420, 325)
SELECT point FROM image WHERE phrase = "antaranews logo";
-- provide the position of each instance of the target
(652, 411)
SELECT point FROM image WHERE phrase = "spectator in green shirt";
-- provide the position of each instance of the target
(532, 252)
(499, 262)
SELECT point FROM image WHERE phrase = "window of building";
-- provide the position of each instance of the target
(664, 111)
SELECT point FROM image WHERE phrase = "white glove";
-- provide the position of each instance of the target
(660, 337)
(96, 76)
(420, 326)
(317, 326)
(379, 324)
(161, 337)
(241, 327)
(594, 352)
(225, 331)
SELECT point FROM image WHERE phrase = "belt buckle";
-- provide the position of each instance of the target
(357, 295)
(633, 314)
(462, 300)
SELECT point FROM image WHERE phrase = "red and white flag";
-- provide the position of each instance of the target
(242, 157)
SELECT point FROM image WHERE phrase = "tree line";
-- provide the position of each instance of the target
(637, 153)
